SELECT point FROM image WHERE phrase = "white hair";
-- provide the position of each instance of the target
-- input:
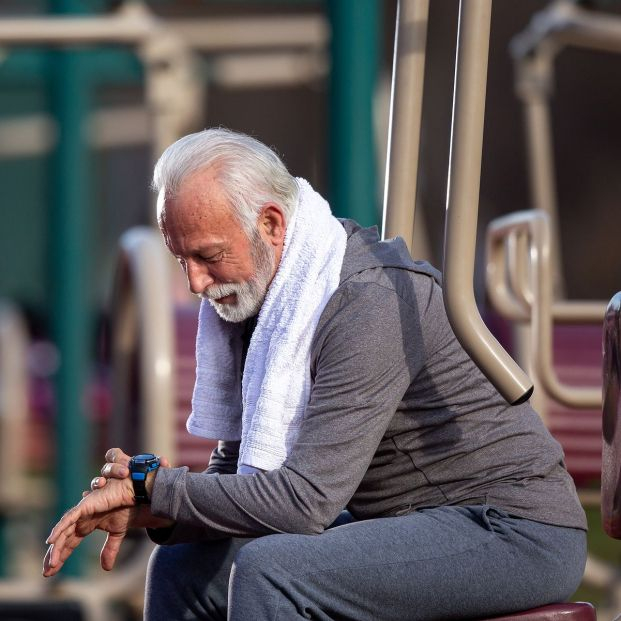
(249, 172)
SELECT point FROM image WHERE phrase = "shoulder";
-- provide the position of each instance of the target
(383, 288)
(379, 304)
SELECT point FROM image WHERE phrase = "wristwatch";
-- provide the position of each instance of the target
(139, 467)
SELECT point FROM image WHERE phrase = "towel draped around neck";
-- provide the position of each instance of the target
(264, 405)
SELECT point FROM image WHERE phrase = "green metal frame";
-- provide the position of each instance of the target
(352, 170)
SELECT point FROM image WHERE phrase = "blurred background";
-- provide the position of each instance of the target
(85, 109)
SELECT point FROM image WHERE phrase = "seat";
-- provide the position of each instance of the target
(611, 466)
(578, 611)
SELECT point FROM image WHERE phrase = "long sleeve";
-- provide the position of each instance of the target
(362, 363)
(224, 458)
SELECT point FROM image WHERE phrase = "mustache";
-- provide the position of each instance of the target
(215, 292)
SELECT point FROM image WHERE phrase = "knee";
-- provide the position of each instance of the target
(161, 595)
(254, 557)
(162, 564)
(265, 557)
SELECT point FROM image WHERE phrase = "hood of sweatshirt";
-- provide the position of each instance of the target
(366, 251)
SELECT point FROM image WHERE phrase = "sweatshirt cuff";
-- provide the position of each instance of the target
(163, 493)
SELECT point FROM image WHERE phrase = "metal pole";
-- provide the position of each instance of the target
(405, 119)
(463, 201)
(534, 77)
(13, 415)
(70, 251)
(355, 33)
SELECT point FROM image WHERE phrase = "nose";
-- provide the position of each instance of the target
(199, 277)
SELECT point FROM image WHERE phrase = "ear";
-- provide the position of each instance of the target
(272, 225)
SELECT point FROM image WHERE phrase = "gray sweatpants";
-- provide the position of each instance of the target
(441, 563)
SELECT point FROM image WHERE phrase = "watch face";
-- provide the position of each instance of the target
(143, 457)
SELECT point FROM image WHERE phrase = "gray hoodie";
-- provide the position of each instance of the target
(399, 418)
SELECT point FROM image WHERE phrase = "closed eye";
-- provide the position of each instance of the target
(214, 258)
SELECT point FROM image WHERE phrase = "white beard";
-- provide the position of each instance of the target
(251, 293)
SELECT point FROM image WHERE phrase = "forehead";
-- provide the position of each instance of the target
(200, 204)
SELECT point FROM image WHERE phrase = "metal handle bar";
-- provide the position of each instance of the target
(143, 320)
(534, 226)
(13, 406)
(462, 205)
(564, 23)
(406, 106)
(508, 271)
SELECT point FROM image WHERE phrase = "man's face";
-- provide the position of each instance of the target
(220, 262)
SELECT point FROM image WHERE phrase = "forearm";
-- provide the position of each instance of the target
(358, 385)
(213, 506)
(303, 496)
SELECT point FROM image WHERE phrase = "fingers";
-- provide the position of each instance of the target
(114, 471)
(110, 550)
(117, 456)
(47, 568)
(57, 553)
(66, 521)
(89, 505)
(116, 466)
(97, 483)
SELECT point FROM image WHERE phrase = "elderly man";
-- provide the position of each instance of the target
(366, 468)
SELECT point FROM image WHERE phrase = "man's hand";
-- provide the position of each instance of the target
(112, 509)
(117, 467)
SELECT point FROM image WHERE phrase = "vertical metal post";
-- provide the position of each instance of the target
(70, 253)
(13, 415)
(463, 204)
(534, 88)
(355, 34)
(406, 104)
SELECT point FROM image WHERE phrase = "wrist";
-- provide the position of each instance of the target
(150, 482)
(142, 469)
(143, 518)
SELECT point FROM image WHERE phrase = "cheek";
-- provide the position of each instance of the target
(228, 273)
(238, 269)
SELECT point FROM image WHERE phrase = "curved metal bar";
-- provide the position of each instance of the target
(405, 120)
(503, 299)
(462, 205)
(507, 249)
(519, 268)
(542, 327)
(534, 225)
(143, 322)
(564, 23)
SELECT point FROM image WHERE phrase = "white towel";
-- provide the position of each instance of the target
(266, 408)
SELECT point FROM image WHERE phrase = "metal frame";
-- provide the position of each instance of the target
(13, 407)
(406, 104)
(463, 178)
(462, 205)
(172, 92)
(529, 296)
(142, 311)
(563, 23)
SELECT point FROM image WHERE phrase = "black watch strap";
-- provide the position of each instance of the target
(139, 467)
